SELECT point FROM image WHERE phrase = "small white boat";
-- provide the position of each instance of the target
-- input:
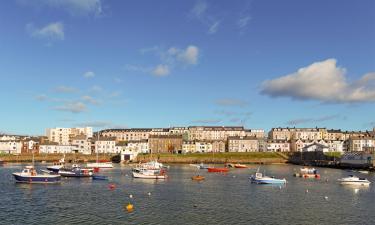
(149, 174)
(29, 175)
(354, 180)
(363, 171)
(308, 170)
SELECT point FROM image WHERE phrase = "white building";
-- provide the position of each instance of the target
(64, 136)
(357, 144)
(336, 146)
(106, 145)
(130, 150)
(203, 146)
(315, 147)
(81, 144)
(258, 133)
(52, 148)
(278, 146)
(10, 147)
(214, 132)
(188, 147)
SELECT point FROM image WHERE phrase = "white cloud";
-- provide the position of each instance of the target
(65, 89)
(243, 21)
(188, 56)
(199, 9)
(214, 27)
(52, 31)
(322, 81)
(90, 99)
(73, 107)
(161, 70)
(74, 7)
(89, 74)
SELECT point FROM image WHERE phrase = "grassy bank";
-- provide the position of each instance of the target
(227, 157)
(53, 157)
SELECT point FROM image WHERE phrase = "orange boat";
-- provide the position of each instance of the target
(198, 178)
(217, 170)
(240, 166)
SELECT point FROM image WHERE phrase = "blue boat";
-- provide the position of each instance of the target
(258, 178)
(99, 177)
(29, 175)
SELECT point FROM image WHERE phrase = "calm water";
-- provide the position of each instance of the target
(220, 199)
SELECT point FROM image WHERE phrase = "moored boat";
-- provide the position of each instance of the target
(217, 169)
(259, 178)
(57, 165)
(76, 171)
(149, 174)
(354, 180)
(29, 175)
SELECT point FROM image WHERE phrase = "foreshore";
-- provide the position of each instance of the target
(217, 158)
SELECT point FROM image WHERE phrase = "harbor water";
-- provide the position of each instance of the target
(220, 199)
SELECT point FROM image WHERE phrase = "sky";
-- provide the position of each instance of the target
(136, 64)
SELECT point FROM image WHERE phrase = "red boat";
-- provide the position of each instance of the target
(217, 170)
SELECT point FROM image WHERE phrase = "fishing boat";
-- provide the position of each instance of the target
(354, 180)
(149, 174)
(198, 178)
(29, 175)
(240, 166)
(217, 169)
(259, 178)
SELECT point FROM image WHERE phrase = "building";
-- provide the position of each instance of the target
(81, 144)
(30, 145)
(258, 133)
(54, 148)
(165, 143)
(130, 150)
(218, 146)
(277, 146)
(280, 134)
(10, 147)
(243, 144)
(64, 136)
(336, 146)
(361, 143)
(307, 134)
(214, 132)
(106, 145)
(188, 147)
(315, 147)
(203, 146)
(298, 145)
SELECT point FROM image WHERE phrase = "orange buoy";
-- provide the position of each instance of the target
(129, 207)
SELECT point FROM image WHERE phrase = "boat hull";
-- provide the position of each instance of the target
(238, 166)
(41, 179)
(217, 170)
(355, 183)
(143, 176)
(98, 177)
(269, 181)
(75, 174)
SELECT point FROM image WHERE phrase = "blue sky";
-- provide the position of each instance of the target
(112, 64)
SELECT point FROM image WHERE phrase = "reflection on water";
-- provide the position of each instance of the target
(220, 199)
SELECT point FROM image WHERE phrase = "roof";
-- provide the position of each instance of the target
(174, 136)
(317, 144)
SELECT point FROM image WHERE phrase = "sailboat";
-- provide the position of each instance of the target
(30, 175)
(99, 164)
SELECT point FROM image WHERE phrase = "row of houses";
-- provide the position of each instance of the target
(188, 139)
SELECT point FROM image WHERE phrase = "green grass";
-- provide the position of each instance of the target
(333, 154)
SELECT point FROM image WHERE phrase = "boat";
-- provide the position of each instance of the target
(99, 177)
(354, 180)
(240, 166)
(29, 175)
(217, 170)
(229, 165)
(307, 170)
(57, 165)
(203, 166)
(76, 171)
(363, 171)
(198, 178)
(259, 178)
(149, 173)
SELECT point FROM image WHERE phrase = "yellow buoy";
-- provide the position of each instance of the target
(129, 207)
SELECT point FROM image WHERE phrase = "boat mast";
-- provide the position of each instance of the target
(97, 150)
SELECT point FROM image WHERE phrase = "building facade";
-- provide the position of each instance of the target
(64, 136)
(243, 144)
(165, 143)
